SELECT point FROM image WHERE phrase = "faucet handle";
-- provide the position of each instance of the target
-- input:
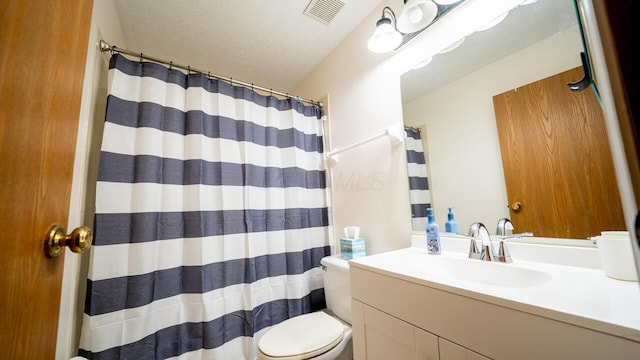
(503, 253)
(516, 236)
(479, 231)
(487, 253)
(474, 252)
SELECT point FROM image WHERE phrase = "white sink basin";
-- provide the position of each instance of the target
(491, 273)
(483, 272)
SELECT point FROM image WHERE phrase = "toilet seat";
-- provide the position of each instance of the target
(301, 337)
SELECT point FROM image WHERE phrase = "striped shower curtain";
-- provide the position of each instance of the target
(211, 217)
(418, 181)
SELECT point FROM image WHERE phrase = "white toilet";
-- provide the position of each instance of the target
(321, 335)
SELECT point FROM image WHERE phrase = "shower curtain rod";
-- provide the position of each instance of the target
(105, 46)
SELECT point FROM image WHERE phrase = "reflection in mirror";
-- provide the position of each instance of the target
(418, 178)
(451, 98)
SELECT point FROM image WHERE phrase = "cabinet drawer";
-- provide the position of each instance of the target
(378, 335)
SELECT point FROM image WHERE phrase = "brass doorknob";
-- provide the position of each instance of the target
(516, 206)
(78, 241)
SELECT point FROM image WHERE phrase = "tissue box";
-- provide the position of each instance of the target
(352, 248)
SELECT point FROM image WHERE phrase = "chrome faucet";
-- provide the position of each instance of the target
(505, 230)
(485, 252)
(505, 227)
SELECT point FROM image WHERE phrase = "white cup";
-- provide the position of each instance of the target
(616, 255)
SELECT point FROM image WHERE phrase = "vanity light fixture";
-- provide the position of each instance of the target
(386, 36)
(392, 32)
(416, 15)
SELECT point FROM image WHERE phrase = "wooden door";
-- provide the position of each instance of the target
(557, 160)
(43, 47)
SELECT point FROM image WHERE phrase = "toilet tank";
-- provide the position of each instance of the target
(337, 288)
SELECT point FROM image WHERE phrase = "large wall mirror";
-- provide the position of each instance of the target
(451, 101)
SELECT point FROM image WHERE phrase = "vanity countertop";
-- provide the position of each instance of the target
(579, 295)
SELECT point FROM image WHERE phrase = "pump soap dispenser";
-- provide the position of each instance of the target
(451, 226)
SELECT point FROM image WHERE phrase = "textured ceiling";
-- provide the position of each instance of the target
(268, 43)
(271, 43)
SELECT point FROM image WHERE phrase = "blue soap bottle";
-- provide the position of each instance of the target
(433, 234)
(451, 226)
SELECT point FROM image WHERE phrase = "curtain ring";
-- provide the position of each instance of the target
(271, 92)
(113, 50)
(231, 81)
(170, 64)
(188, 70)
(252, 87)
(141, 56)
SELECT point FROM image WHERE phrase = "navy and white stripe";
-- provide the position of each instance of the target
(211, 217)
(418, 180)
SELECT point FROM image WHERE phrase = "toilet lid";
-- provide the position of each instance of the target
(302, 337)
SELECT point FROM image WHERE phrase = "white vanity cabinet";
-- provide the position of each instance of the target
(451, 351)
(387, 337)
(382, 336)
(396, 316)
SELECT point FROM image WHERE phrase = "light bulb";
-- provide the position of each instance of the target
(385, 38)
(415, 15)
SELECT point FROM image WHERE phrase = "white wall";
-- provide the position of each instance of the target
(464, 152)
(369, 184)
(105, 24)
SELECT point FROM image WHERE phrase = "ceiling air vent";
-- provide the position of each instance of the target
(323, 10)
